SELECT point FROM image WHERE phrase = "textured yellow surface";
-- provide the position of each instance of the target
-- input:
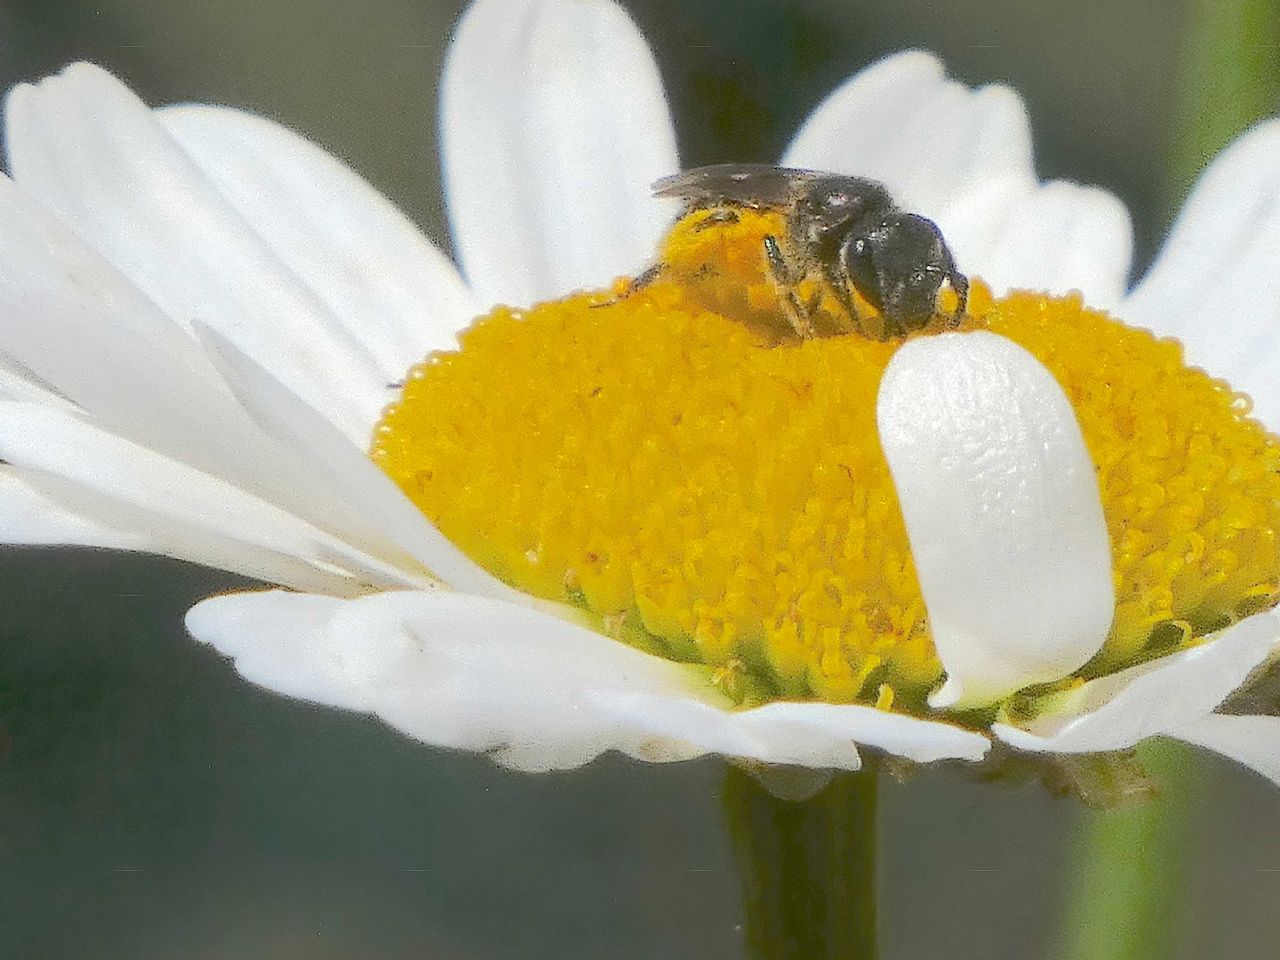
(718, 494)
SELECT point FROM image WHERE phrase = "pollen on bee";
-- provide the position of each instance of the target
(721, 263)
(948, 300)
(719, 496)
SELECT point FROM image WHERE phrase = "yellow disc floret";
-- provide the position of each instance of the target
(716, 495)
(1190, 485)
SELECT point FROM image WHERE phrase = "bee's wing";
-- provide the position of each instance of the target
(743, 184)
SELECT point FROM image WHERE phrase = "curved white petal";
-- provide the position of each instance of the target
(1252, 741)
(391, 288)
(929, 139)
(535, 691)
(84, 145)
(165, 507)
(1002, 510)
(30, 518)
(962, 157)
(447, 669)
(17, 382)
(347, 468)
(923, 741)
(553, 128)
(1056, 237)
(278, 640)
(1158, 697)
(1216, 283)
(823, 735)
(71, 319)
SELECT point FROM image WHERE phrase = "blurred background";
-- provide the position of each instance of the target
(154, 806)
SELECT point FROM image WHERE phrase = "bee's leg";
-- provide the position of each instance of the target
(813, 304)
(836, 284)
(785, 281)
(895, 322)
(638, 283)
(649, 275)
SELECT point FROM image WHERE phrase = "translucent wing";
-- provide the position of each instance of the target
(741, 184)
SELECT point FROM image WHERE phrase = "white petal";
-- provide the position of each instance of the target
(17, 382)
(553, 128)
(29, 518)
(962, 158)
(923, 741)
(447, 669)
(680, 727)
(83, 144)
(176, 511)
(1002, 510)
(278, 641)
(74, 322)
(1117, 711)
(346, 468)
(822, 735)
(382, 279)
(1056, 237)
(1216, 283)
(536, 691)
(1252, 741)
(930, 140)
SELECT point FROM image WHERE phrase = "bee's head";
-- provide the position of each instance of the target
(901, 266)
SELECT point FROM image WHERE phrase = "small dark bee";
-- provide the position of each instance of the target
(843, 235)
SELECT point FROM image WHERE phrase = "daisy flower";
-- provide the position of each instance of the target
(602, 521)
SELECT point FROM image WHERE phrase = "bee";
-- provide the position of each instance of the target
(833, 254)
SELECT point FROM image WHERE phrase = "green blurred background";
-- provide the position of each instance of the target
(153, 806)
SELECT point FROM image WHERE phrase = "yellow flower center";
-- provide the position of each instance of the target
(715, 495)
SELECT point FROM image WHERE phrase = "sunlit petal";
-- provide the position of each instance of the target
(84, 145)
(1252, 741)
(348, 469)
(962, 157)
(386, 283)
(1119, 710)
(1214, 284)
(176, 510)
(1002, 509)
(554, 126)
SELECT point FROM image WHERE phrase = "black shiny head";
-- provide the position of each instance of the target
(900, 265)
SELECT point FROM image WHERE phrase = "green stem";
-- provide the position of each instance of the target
(808, 867)
(1128, 868)
(1231, 79)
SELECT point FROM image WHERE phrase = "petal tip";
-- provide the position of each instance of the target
(1001, 505)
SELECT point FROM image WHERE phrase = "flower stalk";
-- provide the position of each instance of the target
(808, 867)
(1128, 868)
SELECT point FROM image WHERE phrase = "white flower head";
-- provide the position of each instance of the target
(203, 316)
